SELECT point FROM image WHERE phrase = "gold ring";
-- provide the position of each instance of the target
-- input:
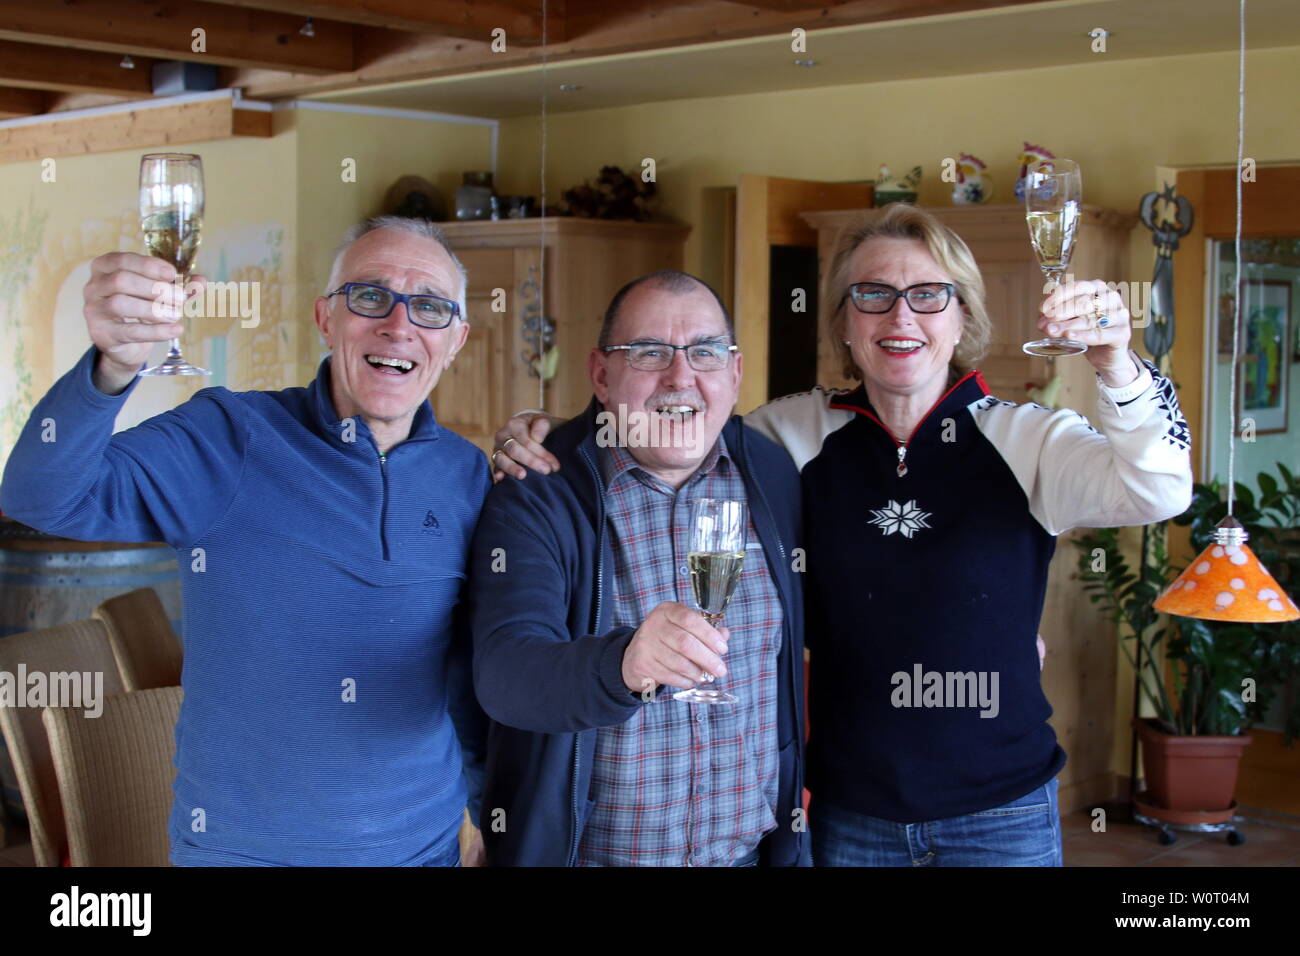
(493, 457)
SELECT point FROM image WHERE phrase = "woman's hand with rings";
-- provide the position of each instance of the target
(1093, 313)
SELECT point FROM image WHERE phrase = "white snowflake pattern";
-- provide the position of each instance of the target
(906, 519)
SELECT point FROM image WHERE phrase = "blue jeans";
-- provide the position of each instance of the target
(1024, 832)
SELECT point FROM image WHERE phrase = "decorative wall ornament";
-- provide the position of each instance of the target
(1169, 218)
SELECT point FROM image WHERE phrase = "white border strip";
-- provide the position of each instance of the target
(428, 115)
(134, 105)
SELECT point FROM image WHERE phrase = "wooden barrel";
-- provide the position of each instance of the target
(46, 581)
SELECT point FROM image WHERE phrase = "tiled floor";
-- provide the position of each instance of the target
(1272, 839)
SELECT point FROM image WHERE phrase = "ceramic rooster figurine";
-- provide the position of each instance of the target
(972, 186)
(1031, 155)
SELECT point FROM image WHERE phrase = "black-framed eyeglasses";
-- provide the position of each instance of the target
(876, 297)
(657, 356)
(376, 302)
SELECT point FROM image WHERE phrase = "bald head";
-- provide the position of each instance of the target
(668, 280)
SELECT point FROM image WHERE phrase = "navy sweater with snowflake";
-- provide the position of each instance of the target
(927, 569)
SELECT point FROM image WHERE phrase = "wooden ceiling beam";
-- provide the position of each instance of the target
(788, 5)
(595, 28)
(232, 37)
(461, 19)
(146, 128)
(19, 102)
(37, 67)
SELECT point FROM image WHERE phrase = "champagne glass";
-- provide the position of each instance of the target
(715, 554)
(171, 217)
(1053, 197)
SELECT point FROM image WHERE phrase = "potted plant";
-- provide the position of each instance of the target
(1207, 681)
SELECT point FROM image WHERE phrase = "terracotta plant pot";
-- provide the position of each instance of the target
(1189, 773)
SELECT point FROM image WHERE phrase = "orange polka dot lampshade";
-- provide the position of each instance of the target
(1228, 583)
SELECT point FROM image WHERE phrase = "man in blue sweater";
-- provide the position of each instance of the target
(322, 534)
(584, 621)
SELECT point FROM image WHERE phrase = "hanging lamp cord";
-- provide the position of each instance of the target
(1237, 291)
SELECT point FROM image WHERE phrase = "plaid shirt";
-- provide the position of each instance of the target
(685, 784)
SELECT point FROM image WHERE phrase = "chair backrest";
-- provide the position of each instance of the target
(144, 644)
(115, 777)
(81, 646)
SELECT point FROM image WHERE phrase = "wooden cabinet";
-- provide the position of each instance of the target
(581, 263)
(999, 240)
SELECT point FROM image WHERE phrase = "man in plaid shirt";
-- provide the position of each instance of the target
(584, 620)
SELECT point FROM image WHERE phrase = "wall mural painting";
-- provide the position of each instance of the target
(239, 335)
(20, 240)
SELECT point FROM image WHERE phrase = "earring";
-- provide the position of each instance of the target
(847, 342)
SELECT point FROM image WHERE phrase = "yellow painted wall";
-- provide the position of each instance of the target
(384, 148)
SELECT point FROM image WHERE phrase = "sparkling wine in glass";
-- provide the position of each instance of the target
(1053, 198)
(716, 556)
(171, 217)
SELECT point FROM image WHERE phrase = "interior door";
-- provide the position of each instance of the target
(767, 214)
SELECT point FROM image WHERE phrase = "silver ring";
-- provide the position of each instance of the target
(506, 444)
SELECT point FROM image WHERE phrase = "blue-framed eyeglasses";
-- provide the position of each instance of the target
(657, 356)
(876, 297)
(376, 302)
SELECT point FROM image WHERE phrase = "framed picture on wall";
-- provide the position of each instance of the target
(1262, 393)
(1226, 304)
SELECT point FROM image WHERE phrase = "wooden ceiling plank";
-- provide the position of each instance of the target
(451, 18)
(33, 66)
(232, 37)
(20, 102)
(788, 5)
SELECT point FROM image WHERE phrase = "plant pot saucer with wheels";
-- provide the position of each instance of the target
(1190, 821)
(1148, 808)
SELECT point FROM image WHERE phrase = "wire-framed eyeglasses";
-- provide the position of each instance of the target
(657, 356)
(876, 297)
(376, 302)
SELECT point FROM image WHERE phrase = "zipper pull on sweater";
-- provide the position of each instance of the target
(902, 465)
